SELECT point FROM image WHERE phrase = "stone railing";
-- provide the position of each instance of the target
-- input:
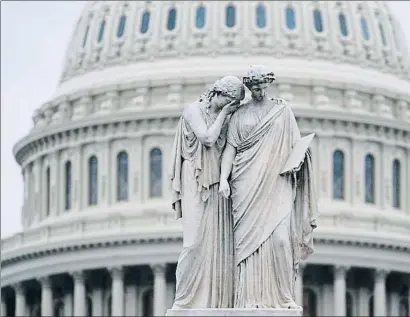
(90, 230)
(117, 100)
(351, 224)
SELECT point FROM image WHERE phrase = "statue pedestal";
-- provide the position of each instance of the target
(235, 312)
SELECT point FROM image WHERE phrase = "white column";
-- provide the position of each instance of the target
(327, 298)
(46, 297)
(54, 181)
(160, 289)
(98, 301)
(363, 309)
(25, 209)
(105, 176)
(131, 300)
(299, 285)
(339, 284)
(76, 178)
(20, 300)
(68, 304)
(170, 294)
(36, 198)
(80, 304)
(3, 306)
(394, 307)
(357, 175)
(379, 301)
(117, 291)
(137, 172)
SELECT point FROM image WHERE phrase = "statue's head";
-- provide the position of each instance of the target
(257, 80)
(226, 90)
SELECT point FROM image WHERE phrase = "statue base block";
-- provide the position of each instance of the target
(235, 312)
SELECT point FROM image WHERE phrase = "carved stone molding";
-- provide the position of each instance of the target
(110, 99)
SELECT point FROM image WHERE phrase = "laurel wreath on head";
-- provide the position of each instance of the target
(258, 78)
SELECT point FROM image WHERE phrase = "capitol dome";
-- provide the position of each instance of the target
(99, 236)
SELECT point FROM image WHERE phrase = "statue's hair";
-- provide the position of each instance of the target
(227, 86)
(258, 74)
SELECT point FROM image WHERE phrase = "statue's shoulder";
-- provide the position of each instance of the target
(192, 109)
(279, 101)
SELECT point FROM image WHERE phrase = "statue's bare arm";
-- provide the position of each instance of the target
(228, 157)
(207, 136)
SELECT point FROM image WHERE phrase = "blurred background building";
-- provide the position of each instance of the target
(99, 235)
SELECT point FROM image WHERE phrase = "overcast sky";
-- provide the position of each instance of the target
(34, 36)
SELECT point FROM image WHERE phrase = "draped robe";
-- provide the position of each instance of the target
(204, 275)
(273, 215)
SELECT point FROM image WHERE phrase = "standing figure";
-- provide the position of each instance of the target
(273, 215)
(204, 274)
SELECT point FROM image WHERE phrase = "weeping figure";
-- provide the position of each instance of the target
(273, 215)
(204, 274)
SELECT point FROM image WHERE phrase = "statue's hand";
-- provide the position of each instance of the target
(232, 106)
(224, 188)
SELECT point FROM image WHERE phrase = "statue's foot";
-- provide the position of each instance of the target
(294, 306)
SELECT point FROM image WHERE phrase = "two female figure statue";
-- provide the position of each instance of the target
(245, 226)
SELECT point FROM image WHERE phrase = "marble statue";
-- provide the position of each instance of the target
(204, 274)
(242, 183)
(273, 214)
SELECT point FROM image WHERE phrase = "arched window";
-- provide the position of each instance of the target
(48, 191)
(317, 19)
(68, 185)
(349, 305)
(172, 19)
(121, 26)
(396, 184)
(122, 176)
(156, 173)
(147, 303)
(309, 302)
(260, 16)
(343, 24)
(200, 17)
(365, 29)
(382, 35)
(338, 174)
(230, 16)
(145, 22)
(86, 35)
(92, 180)
(101, 31)
(369, 179)
(290, 18)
